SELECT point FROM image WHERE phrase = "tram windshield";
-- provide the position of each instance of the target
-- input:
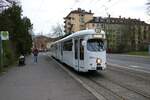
(95, 45)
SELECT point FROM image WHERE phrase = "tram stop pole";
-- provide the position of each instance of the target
(4, 35)
(149, 49)
(1, 53)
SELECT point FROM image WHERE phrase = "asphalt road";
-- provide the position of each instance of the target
(134, 62)
(114, 83)
(42, 81)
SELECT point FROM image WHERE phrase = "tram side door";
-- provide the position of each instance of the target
(61, 51)
(76, 54)
(79, 54)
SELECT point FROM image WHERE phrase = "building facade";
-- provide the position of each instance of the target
(123, 34)
(40, 42)
(76, 19)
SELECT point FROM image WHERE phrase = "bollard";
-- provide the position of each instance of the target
(149, 49)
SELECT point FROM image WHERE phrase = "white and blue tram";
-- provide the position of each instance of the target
(83, 50)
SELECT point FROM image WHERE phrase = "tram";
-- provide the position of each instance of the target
(83, 50)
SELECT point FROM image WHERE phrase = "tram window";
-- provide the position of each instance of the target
(76, 49)
(67, 46)
(81, 50)
(95, 45)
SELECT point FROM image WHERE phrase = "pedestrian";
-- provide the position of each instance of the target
(35, 54)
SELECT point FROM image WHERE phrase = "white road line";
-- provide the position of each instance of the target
(131, 68)
(132, 55)
(134, 66)
(93, 91)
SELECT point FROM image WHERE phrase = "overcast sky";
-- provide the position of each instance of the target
(45, 14)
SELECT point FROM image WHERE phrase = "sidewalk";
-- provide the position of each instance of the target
(42, 81)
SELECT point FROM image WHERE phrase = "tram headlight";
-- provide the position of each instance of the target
(98, 61)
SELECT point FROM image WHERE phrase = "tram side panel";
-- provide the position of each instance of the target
(59, 51)
(68, 52)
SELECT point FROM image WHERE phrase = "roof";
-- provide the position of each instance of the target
(78, 11)
(113, 20)
(80, 33)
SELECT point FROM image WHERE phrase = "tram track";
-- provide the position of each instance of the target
(135, 74)
(127, 87)
(130, 88)
(101, 92)
(108, 88)
(115, 91)
(107, 93)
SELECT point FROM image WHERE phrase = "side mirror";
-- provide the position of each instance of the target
(83, 42)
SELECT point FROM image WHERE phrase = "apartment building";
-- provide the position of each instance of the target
(40, 42)
(76, 19)
(123, 34)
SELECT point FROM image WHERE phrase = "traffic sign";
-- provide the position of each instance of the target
(4, 35)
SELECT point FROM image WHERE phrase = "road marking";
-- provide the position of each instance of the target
(91, 90)
(134, 66)
(131, 68)
(131, 55)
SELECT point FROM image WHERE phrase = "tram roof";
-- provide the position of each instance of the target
(80, 33)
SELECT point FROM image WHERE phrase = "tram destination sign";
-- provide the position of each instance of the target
(98, 36)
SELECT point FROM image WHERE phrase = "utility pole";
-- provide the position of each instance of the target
(1, 53)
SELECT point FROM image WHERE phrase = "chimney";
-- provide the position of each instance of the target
(129, 18)
(90, 11)
(79, 9)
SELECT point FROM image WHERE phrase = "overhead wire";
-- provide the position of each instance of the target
(74, 4)
(106, 8)
(92, 3)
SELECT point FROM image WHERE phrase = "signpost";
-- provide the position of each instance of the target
(4, 35)
(1, 53)
(149, 49)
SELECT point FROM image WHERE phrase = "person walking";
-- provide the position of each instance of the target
(35, 54)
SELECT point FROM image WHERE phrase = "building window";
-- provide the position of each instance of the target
(76, 49)
(82, 20)
(82, 27)
(98, 25)
(93, 25)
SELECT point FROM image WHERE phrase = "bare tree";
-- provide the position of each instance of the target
(4, 4)
(58, 30)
